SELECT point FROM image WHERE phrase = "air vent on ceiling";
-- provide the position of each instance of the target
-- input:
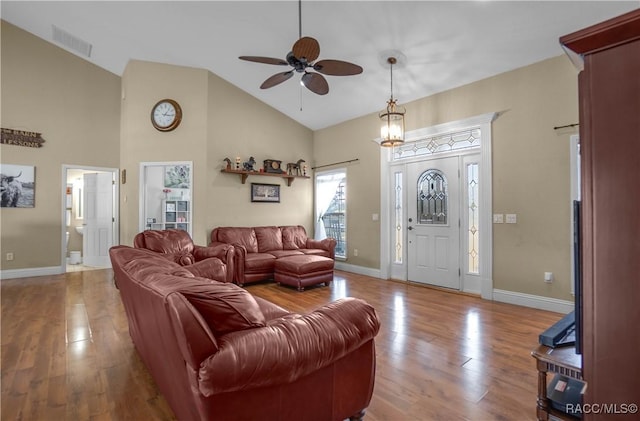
(70, 41)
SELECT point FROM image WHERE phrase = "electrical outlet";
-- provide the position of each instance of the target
(9, 256)
(355, 252)
(548, 277)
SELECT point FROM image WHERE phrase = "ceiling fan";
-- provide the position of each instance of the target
(302, 58)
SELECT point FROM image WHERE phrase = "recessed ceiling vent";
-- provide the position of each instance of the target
(72, 42)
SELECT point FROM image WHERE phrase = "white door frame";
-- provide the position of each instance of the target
(142, 188)
(63, 211)
(486, 240)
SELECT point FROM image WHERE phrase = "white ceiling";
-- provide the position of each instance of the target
(446, 43)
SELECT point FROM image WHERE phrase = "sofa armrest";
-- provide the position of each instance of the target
(289, 348)
(328, 244)
(220, 250)
(239, 257)
(224, 252)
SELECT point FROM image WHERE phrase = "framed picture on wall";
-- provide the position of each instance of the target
(177, 176)
(18, 186)
(265, 193)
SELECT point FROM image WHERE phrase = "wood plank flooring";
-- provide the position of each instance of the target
(66, 352)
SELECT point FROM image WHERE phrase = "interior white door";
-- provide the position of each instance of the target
(434, 222)
(98, 219)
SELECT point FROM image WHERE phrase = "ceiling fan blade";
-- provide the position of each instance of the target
(306, 48)
(276, 79)
(337, 68)
(265, 60)
(316, 83)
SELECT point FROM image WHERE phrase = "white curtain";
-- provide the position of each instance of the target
(326, 185)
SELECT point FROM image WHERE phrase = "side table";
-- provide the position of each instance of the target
(562, 360)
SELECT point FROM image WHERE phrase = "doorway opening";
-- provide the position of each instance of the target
(90, 224)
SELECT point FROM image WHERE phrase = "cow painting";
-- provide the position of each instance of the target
(11, 190)
(17, 186)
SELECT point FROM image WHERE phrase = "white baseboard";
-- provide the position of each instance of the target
(361, 270)
(534, 301)
(29, 272)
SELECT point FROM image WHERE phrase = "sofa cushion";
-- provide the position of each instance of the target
(239, 235)
(293, 237)
(225, 307)
(269, 238)
(284, 253)
(259, 262)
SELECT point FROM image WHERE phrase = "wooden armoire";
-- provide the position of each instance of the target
(609, 95)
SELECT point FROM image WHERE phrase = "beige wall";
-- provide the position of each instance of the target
(76, 107)
(530, 170)
(240, 125)
(218, 121)
(143, 85)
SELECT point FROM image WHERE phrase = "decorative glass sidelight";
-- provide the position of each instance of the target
(432, 198)
(473, 199)
(397, 255)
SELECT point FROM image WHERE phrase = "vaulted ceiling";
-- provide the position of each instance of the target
(444, 44)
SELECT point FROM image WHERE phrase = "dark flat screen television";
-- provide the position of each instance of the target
(577, 271)
(568, 330)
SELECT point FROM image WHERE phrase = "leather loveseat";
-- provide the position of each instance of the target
(215, 263)
(218, 353)
(258, 248)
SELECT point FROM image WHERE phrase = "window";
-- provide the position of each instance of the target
(399, 238)
(473, 224)
(331, 204)
(432, 198)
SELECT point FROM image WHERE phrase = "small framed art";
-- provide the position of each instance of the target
(265, 193)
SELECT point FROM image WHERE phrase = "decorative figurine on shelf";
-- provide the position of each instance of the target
(304, 170)
(166, 193)
(238, 162)
(227, 163)
(295, 168)
(248, 165)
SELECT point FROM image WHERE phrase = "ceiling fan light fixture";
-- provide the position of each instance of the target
(392, 118)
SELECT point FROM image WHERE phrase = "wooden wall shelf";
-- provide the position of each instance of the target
(244, 174)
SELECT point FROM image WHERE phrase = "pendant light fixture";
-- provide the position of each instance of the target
(392, 119)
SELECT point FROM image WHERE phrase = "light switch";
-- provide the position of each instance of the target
(498, 218)
(375, 217)
(511, 218)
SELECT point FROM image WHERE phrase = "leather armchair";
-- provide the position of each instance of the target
(215, 263)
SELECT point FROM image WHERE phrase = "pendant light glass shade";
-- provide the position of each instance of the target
(392, 118)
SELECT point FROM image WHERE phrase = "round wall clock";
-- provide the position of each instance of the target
(166, 115)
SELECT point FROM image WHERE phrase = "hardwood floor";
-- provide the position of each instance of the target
(66, 352)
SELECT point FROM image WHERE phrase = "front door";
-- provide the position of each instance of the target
(434, 222)
(98, 219)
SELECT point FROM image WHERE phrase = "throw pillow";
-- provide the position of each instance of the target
(225, 307)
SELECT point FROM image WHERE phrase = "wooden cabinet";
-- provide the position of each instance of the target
(609, 86)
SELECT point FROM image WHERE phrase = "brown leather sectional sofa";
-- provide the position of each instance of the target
(258, 248)
(218, 353)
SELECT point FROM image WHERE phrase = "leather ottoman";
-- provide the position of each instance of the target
(303, 271)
